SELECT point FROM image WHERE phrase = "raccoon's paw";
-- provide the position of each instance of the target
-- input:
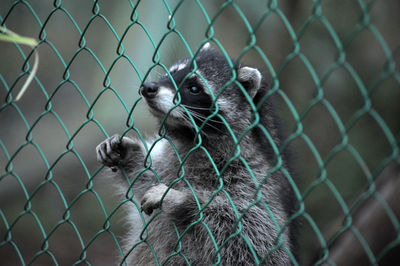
(152, 199)
(114, 151)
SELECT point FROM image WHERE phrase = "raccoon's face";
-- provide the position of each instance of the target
(197, 104)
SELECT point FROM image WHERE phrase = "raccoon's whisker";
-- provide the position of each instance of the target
(198, 115)
(185, 118)
(195, 107)
(209, 125)
(202, 117)
(217, 129)
(190, 123)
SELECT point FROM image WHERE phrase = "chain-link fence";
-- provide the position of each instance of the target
(334, 76)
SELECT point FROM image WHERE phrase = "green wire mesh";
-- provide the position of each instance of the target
(334, 68)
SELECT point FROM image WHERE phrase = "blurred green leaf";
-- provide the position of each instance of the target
(10, 36)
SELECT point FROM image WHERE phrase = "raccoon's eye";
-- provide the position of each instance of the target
(194, 90)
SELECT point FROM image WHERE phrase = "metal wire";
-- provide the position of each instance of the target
(9, 223)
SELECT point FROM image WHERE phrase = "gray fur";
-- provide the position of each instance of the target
(180, 208)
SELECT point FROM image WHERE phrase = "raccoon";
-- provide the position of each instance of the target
(212, 189)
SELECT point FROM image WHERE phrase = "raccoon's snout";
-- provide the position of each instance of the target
(149, 89)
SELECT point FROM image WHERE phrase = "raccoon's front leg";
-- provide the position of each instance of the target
(127, 154)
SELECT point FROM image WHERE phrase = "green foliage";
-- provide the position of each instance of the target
(9, 36)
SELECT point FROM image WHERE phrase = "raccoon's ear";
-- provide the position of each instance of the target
(250, 78)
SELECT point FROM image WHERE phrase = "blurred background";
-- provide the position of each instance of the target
(336, 64)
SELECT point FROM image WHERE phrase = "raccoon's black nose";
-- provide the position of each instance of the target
(149, 89)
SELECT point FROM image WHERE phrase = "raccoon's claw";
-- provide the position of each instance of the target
(109, 151)
(152, 198)
(172, 200)
(148, 208)
(116, 151)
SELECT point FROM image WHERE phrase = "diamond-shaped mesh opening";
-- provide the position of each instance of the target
(333, 71)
